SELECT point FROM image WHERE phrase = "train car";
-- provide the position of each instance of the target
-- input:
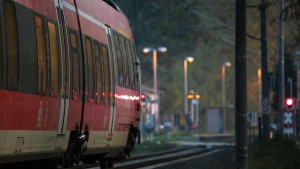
(69, 82)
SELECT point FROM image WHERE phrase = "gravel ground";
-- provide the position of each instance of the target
(220, 160)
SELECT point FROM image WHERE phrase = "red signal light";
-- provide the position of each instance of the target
(289, 101)
(143, 97)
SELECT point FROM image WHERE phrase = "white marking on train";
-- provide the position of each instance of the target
(84, 15)
(46, 115)
(40, 114)
(105, 121)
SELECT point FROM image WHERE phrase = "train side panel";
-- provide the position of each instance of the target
(70, 73)
(29, 117)
(117, 113)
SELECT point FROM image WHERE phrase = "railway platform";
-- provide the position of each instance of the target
(209, 140)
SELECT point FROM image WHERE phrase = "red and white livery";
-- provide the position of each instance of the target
(69, 82)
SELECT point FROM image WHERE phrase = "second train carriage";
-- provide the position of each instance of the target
(69, 81)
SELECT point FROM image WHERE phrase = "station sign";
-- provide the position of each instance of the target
(265, 102)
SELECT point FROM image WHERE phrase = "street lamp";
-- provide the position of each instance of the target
(155, 98)
(298, 99)
(224, 65)
(185, 62)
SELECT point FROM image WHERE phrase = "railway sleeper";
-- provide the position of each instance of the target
(106, 163)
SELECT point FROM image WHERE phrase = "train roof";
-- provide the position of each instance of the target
(103, 12)
(113, 4)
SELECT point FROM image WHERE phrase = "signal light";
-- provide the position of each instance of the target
(289, 103)
(190, 96)
(143, 97)
(193, 96)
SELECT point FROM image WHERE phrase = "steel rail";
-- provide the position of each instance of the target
(157, 158)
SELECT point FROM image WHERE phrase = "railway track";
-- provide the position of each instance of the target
(158, 159)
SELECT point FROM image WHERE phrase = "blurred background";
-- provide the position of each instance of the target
(205, 30)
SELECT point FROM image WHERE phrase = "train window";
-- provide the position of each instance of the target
(99, 73)
(125, 62)
(119, 60)
(126, 54)
(106, 74)
(12, 45)
(130, 66)
(113, 73)
(1, 56)
(64, 86)
(42, 55)
(120, 67)
(90, 58)
(74, 41)
(135, 79)
(116, 40)
(75, 67)
(54, 89)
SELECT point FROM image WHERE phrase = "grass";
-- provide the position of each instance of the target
(161, 142)
(274, 154)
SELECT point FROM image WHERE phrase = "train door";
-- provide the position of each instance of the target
(113, 77)
(65, 75)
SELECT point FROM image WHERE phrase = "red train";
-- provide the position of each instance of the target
(69, 82)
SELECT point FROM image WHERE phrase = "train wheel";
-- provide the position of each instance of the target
(68, 160)
(106, 163)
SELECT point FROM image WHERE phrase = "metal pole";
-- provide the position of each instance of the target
(281, 67)
(223, 98)
(290, 81)
(241, 87)
(185, 87)
(155, 98)
(291, 87)
(297, 101)
(259, 89)
(197, 115)
(259, 101)
(192, 110)
(264, 68)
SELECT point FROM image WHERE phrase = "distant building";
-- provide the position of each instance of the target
(213, 120)
(149, 92)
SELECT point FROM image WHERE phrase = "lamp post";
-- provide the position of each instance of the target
(259, 88)
(290, 81)
(224, 65)
(298, 99)
(156, 97)
(185, 62)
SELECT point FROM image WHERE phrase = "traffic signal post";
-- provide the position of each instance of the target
(288, 122)
(194, 111)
